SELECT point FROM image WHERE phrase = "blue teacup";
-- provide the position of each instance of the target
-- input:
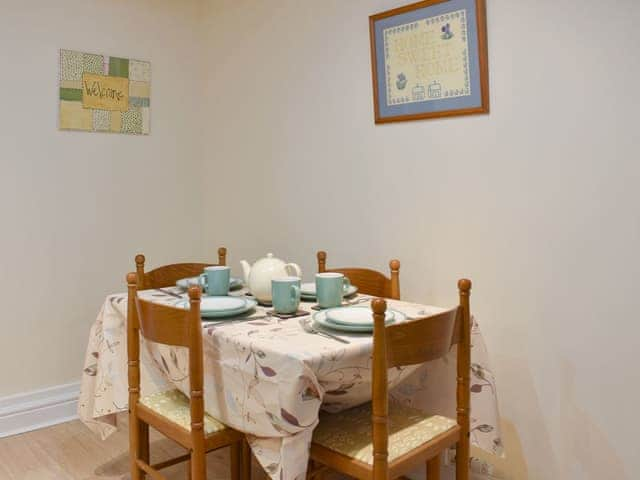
(215, 280)
(330, 288)
(285, 294)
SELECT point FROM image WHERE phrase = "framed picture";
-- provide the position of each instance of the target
(429, 59)
(102, 93)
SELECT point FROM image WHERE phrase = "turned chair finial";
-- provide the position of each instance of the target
(464, 285)
(379, 306)
(195, 292)
(132, 278)
(222, 256)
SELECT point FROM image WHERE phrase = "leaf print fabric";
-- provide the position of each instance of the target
(270, 379)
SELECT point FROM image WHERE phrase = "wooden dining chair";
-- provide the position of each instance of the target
(369, 282)
(172, 413)
(379, 442)
(168, 275)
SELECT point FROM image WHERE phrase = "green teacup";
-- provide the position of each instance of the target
(285, 294)
(330, 288)
(215, 280)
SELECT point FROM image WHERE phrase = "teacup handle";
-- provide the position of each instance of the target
(295, 268)
(202, 281)
(295, 293)
(346, 284)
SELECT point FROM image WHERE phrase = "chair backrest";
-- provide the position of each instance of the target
(170, 326)
(168, 275)
(413, 342)
(369, 282)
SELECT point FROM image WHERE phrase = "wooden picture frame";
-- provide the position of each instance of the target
(451, 60)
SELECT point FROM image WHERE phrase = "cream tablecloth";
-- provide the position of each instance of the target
(269, 378)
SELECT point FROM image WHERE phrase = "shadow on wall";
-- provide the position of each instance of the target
(513, 465)
(588, 454)
(524, 407)
(585, 453)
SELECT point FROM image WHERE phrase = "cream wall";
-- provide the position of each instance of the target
(68, 200)
(536, 202)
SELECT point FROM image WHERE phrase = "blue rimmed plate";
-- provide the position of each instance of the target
(321, 320)
(355, 316)
(221, 307)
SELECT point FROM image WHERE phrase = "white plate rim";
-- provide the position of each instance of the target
(389, 316)
(316, 317)
(249, 305)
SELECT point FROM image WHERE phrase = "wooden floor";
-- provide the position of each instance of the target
(70, 451)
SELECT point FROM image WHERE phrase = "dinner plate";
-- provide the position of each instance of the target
(308, 291)
(185, 283)
(218, 307)
(320, 319)
(360, 315)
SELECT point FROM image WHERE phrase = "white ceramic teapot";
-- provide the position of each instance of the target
(258, 276)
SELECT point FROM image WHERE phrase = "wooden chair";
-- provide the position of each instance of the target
(173, 414)
(371, 441)
(168, 275)
(369, 282)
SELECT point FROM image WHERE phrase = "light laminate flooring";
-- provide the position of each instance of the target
(70, 451)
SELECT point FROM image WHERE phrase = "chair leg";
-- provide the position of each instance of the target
(235, 453)
(246, 460)
(189, 469)
(134, 447)
(144, 442)
(462, 460)
(198, 464)
(433, 468)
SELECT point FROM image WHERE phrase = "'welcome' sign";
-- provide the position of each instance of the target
(102, 93)
(105, 92)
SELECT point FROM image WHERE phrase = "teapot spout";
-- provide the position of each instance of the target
(246, 269)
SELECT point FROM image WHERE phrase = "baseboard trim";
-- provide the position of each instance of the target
(24, 412)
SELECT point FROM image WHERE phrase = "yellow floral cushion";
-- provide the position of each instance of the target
(174, 405)
(349, 432)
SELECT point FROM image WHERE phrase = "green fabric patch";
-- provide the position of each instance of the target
(71, 65)
(71, 94)
(132, 121)
(92, 63)
(138, 102)
(119, 67)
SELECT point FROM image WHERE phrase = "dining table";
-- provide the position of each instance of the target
(269, 377)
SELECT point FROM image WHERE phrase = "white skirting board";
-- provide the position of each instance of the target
(28, 411)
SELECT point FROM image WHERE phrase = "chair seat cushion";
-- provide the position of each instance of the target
(174, 405)
(349, 432)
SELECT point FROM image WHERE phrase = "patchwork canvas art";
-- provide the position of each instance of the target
(99, 93)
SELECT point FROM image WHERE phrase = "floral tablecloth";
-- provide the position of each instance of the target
(268, 378)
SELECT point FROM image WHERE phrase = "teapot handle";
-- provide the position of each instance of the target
(295, 268)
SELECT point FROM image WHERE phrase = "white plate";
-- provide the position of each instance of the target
(320, 319)
(185, 283)
(308, 291)
(355, 316)
(217, 307)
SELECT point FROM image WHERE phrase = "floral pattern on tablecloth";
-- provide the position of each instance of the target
(269, 378)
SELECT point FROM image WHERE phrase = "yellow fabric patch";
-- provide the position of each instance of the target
(116, 121)
(74, 117)
(103, 92)
(139, 89)
(174, 405)
(349, 432)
